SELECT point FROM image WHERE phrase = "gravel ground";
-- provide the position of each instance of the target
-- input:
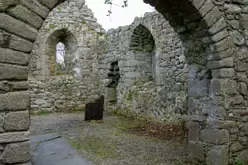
(109, 143)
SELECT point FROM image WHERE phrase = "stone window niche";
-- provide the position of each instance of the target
(60, 48)
(114, 76)
(142, 44)
(60, 67)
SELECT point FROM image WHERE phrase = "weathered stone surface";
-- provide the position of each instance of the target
(161, 101)
(241, 53)
(223, 87)
(244, 129)
(17, 153)
(241, 66)
(50, 3)
(67, 91)
(236, 147)
(14, 101)
(27, 16)
(29, 163)
(223, 73)
(36, 7)
(243, 88)
(21, 85)
(16, 121)
(6, 86)
(225, 63)
(4, 4)
(215, 136)
(196, 151)
(13, 57)
(219, 25)
(213, 16)
(1, 125)
(243, 156)
(13, 72)
(218, 155)
(14, 137)
(194, 131)
(8, 40)
(17, 27)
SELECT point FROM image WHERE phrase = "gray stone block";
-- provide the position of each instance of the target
(27, 16)
(8, 40)
(17, 27)
(5, 4)
(50, 3)
(215, 136)
(223, 73)
(12, 137)
(14, 101)
(13, 57)
(21, 85)
(17, 153)
(13, 72)
(224, 63)
(218, 155)
(194, 131)
(196, 151)
(243, 156)
(16, 121)
(36, 7)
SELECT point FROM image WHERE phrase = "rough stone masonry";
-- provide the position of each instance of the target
(74, 25)
(191, 61)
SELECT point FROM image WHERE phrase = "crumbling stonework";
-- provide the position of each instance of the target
(217, 122)
(153, 69)
(73, 24)
(211, 35)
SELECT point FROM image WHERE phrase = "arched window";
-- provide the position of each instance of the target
(60, 48)
(142, 45)
(60, 58)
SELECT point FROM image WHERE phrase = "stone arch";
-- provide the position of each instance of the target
(142, 40)
(70, 42)
(80, 37)
(142, 44)
(17, 43)
(203, 29)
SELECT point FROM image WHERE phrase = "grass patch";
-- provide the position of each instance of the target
(81, 109)
(127, 124)
(96, 146)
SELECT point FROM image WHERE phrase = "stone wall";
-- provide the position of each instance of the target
(73, 24)
(218, 124)
(213, 34)
(153, 69)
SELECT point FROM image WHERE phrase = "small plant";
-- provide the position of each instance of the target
(52, 26)
(238, 162)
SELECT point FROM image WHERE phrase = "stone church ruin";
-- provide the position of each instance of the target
(187, 61)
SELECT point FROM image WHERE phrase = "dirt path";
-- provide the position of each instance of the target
(109, 143)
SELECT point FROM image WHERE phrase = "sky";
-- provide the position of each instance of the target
(120, 16)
